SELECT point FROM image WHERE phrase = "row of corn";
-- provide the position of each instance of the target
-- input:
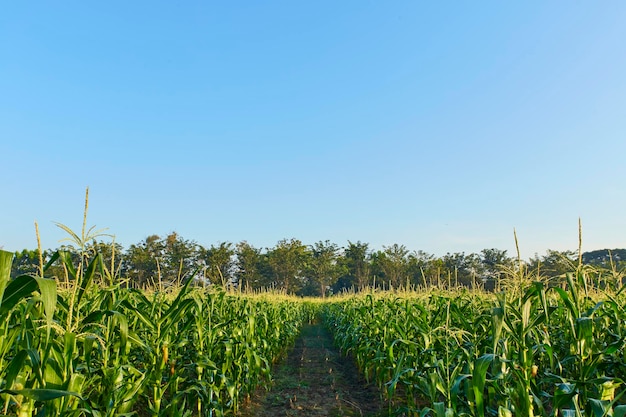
(538, 352)
(93, 350)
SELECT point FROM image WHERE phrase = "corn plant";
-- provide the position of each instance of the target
(537, 352)
(81, 344)
(27, 308)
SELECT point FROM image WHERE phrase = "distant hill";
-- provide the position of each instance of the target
(601, 257)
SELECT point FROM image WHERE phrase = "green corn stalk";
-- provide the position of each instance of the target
(26, 381)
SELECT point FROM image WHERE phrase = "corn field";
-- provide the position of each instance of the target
(538, 352)
(86, 345)
(97, 350)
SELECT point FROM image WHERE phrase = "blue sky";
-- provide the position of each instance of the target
(438, 125)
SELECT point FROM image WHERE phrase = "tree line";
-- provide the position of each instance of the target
(314, 270)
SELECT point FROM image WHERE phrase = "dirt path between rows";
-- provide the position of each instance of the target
(316, 380)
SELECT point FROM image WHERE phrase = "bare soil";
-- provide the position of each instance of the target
(316, 380)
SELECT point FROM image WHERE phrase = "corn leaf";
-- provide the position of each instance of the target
(48, 291)
(18, 289)
(42, 394)
(6, 260)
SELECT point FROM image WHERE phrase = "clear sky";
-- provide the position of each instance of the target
(442, 126)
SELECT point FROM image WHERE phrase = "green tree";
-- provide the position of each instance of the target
(288, 260)
(323, 268)
(26, 262)
(180, 258)
(554, 265)
(218, 263)
(142, 262)
(419, 267)
(460, 269)
(393, 263)
(493, 262)
(356, 262)
(266, 278)
(248, 266)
